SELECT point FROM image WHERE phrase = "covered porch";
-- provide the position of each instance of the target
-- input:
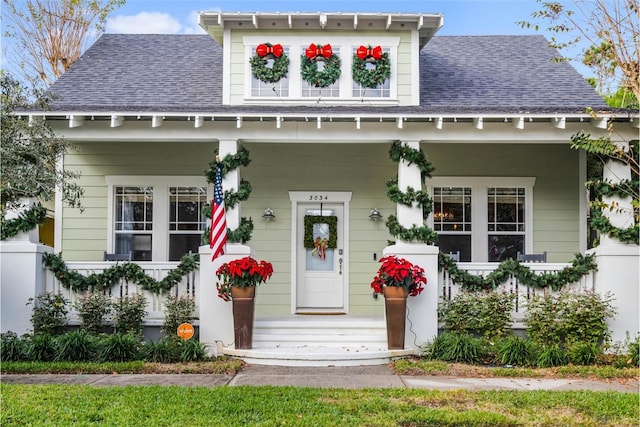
(306, 340)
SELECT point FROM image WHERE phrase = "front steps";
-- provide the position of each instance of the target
(318, 340)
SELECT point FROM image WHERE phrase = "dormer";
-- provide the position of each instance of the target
(302, 58)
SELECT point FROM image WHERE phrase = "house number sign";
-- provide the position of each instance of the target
(318, 197)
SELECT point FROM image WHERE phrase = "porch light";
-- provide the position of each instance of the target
(375, 215)
(268, 214)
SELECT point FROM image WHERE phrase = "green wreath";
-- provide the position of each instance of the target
(328, 76)
(332, 221)
(269, 75)
(371, 78)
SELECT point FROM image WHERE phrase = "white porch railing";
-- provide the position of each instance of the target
(448, 289)
(190, 285)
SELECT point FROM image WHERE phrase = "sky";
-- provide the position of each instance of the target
(461, 17)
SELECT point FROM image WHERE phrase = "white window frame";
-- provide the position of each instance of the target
(479, 206)
(343, 47)
(161, 185)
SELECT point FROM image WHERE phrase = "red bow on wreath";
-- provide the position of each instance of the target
(313, 51)
(363, 53)
(263, 50)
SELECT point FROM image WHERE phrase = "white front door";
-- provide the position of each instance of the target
(321, 258)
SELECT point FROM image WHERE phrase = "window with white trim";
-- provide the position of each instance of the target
(486, 219)
(262, 89)
(156, 218)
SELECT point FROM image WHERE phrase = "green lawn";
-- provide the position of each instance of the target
(63, 405)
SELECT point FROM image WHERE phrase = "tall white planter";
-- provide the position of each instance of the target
(422, 310)
(216, 316)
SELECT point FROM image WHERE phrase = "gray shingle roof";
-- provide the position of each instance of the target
(459, 74)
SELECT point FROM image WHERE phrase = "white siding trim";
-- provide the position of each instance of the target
(58, 209)
(583, 202)
(226, 68)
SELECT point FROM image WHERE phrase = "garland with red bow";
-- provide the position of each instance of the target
(262, 66)
(313, 73)
(374, 75)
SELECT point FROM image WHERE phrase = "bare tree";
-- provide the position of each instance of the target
(609, 27)
(51, 35)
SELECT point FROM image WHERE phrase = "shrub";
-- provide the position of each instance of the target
(178, 310)
(162, 351)
(516, 351)
(456, 347)
(484, 313)
(92, 309)
(41, 347)
(49, 313)
(568, 318)
(120, 348)
(129, 314)
(12, 347)
(586, 317)
(193, 351)
(634, 351)
(551, 355)
(76, 346)
(584, 353)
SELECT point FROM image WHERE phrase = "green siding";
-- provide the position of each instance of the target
(362, 169)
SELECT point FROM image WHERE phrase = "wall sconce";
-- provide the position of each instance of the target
(375, 215)
(268, 214)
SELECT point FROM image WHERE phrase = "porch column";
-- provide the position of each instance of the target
(619, 263)
(422, 310)
(216, 316)
(409, 176)
(231, 181)
(22, 275)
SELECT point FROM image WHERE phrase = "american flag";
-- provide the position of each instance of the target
(218, 237)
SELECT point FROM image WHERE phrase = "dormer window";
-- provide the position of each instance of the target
(271, 67)
(324, 69)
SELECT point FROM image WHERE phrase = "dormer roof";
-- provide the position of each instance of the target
(216, 22)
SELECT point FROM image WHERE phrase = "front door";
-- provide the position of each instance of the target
(321, 261)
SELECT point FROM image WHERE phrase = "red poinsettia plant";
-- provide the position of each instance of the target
(242, 273)
(398, 272)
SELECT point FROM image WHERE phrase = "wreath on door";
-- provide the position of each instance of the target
(318, 245)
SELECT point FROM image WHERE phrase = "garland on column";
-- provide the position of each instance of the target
(601, 223)
(129, 271)
(580, 267)
(231, 162)
(425, 234)
(25, 222)
(603, 188)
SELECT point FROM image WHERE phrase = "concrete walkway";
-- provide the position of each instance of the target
(329, 377)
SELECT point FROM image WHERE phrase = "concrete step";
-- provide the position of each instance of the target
(319, 331)
(319, 341)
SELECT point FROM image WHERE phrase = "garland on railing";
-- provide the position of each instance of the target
(129, 271)
(397, 152)
(230, 162)
(25, 222)
(580, 266)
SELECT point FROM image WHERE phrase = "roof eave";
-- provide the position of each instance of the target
(427, 24)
